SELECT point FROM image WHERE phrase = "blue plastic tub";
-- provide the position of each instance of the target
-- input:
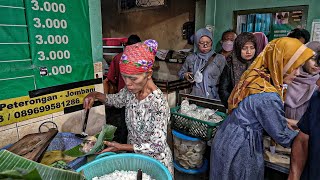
(184, 139)
(127, 162)
(200, 170)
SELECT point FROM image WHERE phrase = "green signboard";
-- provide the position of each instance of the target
(43, 43)
(48, 51)
(59, 41)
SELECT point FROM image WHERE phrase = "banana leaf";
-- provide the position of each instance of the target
(10, 161)
(20, 174)
(107, 134)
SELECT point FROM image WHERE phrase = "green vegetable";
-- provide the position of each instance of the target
(61, 165)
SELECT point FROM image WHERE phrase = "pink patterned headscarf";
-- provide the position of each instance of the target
(138, 58)
(262, 41)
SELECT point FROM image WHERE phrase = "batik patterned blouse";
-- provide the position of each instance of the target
(147, 122)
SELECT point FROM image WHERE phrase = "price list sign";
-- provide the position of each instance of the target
(60, 41)
(15, 58)
(47, 52)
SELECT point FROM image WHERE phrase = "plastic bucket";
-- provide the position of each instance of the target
(188, 151)
(127, 162)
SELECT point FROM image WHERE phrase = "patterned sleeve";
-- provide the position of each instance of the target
(159, 117)
(117, 100)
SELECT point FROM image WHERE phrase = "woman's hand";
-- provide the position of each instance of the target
(292, 124)
(114, 147)
(189, 77)
(91, 97)
(89, 100)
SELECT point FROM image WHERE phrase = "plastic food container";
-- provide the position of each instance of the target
(127, 162)
(188, 151)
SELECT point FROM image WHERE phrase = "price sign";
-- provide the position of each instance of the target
(46, 47)
(60, 41)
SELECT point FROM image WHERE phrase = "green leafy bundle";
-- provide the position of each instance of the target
(107, 134)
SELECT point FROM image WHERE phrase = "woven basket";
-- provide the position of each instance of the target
(192, 126)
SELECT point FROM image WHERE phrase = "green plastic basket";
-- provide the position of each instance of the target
(127, 162)
(192, 126)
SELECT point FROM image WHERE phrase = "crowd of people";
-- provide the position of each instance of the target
(267, 87)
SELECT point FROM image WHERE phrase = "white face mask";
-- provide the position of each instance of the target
(227, 45)
(198, 77)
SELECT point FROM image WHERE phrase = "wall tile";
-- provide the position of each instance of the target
(31, 128)
(60, 113)
(8, 136)
(34, 120)
(71, 122)
(96, 120)
(10, 126)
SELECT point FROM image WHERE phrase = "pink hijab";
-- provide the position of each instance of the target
(301, 90)
(262, 41)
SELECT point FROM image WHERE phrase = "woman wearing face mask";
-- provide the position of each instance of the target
(256, 105)
(147, 111)
(244, 52)
(227, 41)
(200, 70)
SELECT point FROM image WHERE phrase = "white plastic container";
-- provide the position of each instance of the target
(188, 151)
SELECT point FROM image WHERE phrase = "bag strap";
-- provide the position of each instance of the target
(208, 62)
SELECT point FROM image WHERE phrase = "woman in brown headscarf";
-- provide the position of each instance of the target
(244, 52)
(256, 104)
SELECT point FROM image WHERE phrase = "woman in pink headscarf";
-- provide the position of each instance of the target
(262, 41)
(303, 86)
(147, 110)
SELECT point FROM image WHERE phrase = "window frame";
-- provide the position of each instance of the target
(303, 8)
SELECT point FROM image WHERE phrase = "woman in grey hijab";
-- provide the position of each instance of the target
(205, 78)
